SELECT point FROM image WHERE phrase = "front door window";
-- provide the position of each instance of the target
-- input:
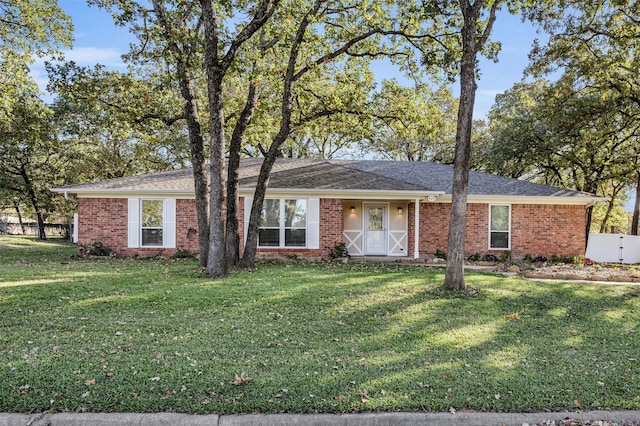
(376, 232)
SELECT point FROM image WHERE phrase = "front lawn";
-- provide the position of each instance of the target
(155, 335)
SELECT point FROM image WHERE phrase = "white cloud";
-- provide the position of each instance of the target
(83, 56)
(108, 57)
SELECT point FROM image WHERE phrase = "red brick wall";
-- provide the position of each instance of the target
(548, 229)
(103, 220)
(538, 230)
(106, 220)
(187, 219)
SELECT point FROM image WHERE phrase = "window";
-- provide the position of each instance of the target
(269, 234)
(295, 223)
(499, 227)
(152, 222)
(283, 223)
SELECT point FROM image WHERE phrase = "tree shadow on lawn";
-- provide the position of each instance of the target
(515, 346)
(327, 338)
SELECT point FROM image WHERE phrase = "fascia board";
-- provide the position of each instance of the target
(370, 194)
(488, 199)
(128, 194)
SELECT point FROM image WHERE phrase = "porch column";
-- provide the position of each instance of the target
(416, 230)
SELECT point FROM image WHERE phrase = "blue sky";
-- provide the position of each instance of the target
(98, 40)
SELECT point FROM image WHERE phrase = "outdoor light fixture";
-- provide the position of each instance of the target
(353, 209)
(399, 209)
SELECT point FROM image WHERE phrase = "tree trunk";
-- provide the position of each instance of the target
(251, 243)
(196, 146)
(610, 205)
(216, 261)
(16, 206)
(636, 209)
(454, 276)
(473, 39)
(31, 193)
(233, 166)
(196, 143)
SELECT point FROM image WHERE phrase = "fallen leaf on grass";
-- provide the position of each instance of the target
(364, 396)
(452, 410)
(241, 379)
(514, 316)
(24, 389)
(155, 379)
(90, 382)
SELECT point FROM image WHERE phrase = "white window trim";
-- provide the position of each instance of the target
(313, 224)
(281, 225)
(140, 221)
(508, 229)
(134, 239)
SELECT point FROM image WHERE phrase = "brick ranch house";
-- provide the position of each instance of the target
(377, 208)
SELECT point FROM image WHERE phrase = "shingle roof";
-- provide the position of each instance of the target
(439, 177)
(338, 175)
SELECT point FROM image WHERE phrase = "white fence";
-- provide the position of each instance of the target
(613, 248)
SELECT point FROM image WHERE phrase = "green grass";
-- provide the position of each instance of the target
(156, 335)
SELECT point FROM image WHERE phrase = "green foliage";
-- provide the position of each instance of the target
(153, 335)
(505, 256)
(416, 124)
(528, 258)
(441, 254)
(578, 260)
(32, 159)
(115, 124)
(29, 29)
(595, 44)
(475, 257)
(565, 135)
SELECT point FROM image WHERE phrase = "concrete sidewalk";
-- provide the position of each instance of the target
(374, 419)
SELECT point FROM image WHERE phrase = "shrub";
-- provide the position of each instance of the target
(94, 249)
(441, 254)
(528, 258)
(183, 254)
(505, 256)
(338, 251)
(474, 258)
(490, 258)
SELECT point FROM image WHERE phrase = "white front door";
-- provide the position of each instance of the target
(375, 225)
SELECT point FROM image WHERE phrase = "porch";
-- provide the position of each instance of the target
(380, 228)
